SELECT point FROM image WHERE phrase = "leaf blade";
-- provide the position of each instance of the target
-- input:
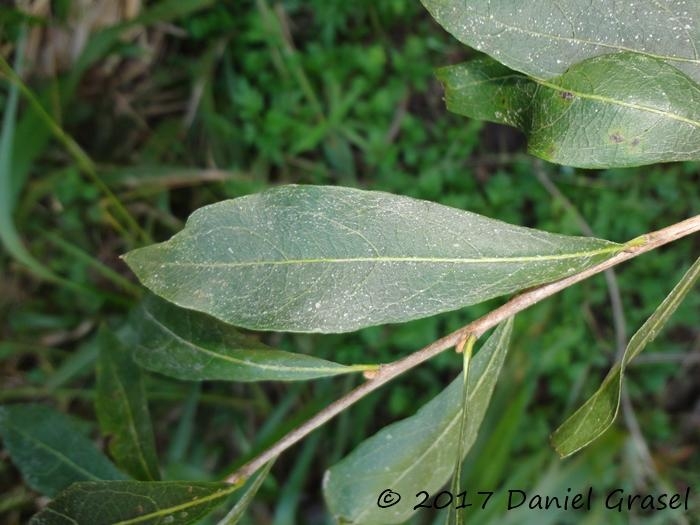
(542, 39)
(635, 110)
(134, 502)
(418, 452)
(192, 346)
(50, 450)
(122, 409)
(598, 413)
(332, 259)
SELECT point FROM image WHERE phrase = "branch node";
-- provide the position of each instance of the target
(463, 340)
(371, 373)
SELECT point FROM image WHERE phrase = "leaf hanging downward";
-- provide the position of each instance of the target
(598, 413)
(419, 452)
(122, 409)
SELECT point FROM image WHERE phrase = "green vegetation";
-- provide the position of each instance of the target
(193, 102)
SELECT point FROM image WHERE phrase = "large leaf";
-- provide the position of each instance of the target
(543, 38)
(333, 259)
(50, 449)
(616, 110)
(598, 413)
(193, 346)
(132, 502)
(417, 453)
(122, 409)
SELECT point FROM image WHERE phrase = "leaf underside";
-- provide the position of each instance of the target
(333, 259)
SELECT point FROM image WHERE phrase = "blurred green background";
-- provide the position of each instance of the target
(184, 103)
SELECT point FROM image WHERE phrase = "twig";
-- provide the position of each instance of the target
(476, 328)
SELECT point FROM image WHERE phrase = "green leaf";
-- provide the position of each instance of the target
(9, 236)
(50, 449)
(417, 453)
(543, 38)
(598, 413)
(132, 502)
(193, 346)
(454, 515)
(615, 110)
(333, 259)
(122, 409)
(252, 487)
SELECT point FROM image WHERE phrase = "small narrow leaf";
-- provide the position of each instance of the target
(598, 413)
(251, 489)
(132, 502)
(543, 38)
(417, 453)
(333, 259)
(192, 346)
(50, 450)
(454, 516)
(122, 409)
(615, 110)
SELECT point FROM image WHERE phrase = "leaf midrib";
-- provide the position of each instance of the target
(616, 102)
(221, 493)
(398, 259)
(132, 429)
(54, 452)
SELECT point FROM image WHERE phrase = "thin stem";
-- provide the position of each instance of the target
(81, 158)
(107, 272)
(476, 328)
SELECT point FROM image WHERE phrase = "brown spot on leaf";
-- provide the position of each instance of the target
(566, 95)
(616, 138)
(635, 142)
